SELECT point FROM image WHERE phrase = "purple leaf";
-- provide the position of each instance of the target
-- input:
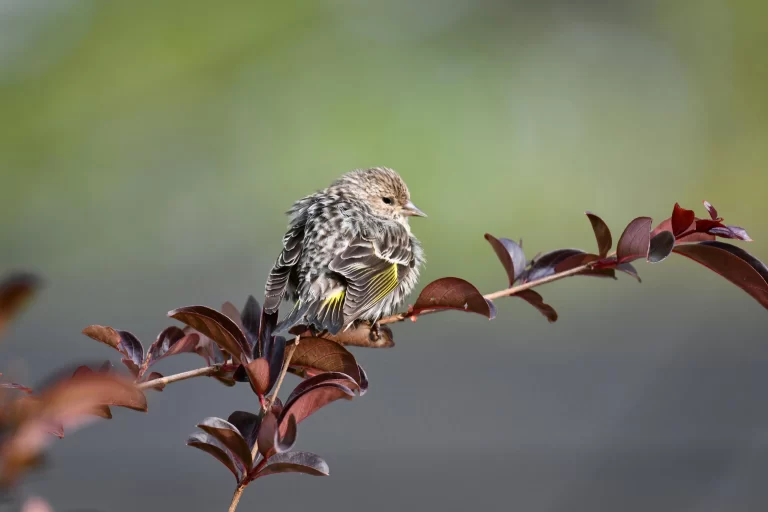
(734, 264)
(211, 445)
(268, 436)
(536, 300)
(251, 317)
(275, 355)
(218, 327)
(295, 462)
(682, 220)
(711, 210)
(635, 240)
(453, 293)
(131, 347)
(258, 375)
(510, 254)
(311, 400)
(661, 246)
(229, 436)
(628, 269)
(247, 424)
(546, 264)
(325, 355)
(165, 340)
(602, 234)
(286, 440)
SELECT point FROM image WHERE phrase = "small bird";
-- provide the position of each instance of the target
(348, 255)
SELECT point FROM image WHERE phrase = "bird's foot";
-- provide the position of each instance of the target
(375, 335)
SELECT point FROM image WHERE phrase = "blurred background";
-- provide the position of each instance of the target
(149, 150)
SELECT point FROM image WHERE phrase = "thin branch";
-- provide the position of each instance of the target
(399, 317)
(283, 371)
(210, 370)
(236, 496)
(163, 381)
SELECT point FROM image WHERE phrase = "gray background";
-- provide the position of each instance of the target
(149, 149)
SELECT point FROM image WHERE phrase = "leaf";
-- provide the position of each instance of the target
(661, 246)
(711, 210)
(682, 220)
(229, 436)
(295, 462)
(287, 440)
(275, 354)
(313, 398)
(359, 335)
(536, 300)
(454, 293)
(251, 318)
(106, 335)
(19, 387)
(247, 424)
(212, 446)
(267, 437)
(312, 379)
(325, 355)
(231, 312)
(167, 339)
(628, 269)
(734, 232)
(218, 327)
(153, 376)
(363, 381)
(510, 254)
(734, 264)
(258, 375)
(131, 347)
(16, 290)
(635, 240)
(602, 234)
(546, 264)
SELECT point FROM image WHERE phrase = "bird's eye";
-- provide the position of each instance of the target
(387, 200)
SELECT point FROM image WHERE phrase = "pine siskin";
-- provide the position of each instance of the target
(348, 254)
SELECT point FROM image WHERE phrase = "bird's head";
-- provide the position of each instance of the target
(383, 190)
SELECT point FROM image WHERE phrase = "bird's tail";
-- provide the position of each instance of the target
(323, 315)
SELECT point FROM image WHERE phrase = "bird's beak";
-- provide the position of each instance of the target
(411, 210)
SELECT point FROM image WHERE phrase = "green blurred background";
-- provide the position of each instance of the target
(148, 151)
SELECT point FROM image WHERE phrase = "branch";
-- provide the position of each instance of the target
(163, 381)
(399, 317)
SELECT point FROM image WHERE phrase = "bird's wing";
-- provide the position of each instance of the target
(372, 269)
(293, 243)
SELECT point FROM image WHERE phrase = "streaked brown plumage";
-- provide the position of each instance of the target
(348, 254)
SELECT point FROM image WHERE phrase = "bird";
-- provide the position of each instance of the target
(349, 254)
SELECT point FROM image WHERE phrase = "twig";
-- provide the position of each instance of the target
(200, 372)
(236, 496)
(283, 371)
(495, 295)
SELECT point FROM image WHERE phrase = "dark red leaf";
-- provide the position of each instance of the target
(510, 254)
(251, 317)
(153, 376)
(295, 462)
(11, 385)
(106, 335)
(16, 290)
(711, 210)
(229, 436)
(247, 424)
(131, 347)
(734, 232)
(275, 354)
(306, 403)
(218, 327)
(131, 366)
(628, 269)
(602, 234)
(325, 355)
(661, 246)
(314, 379)
(545, 265)
(258, 375)
(287, 435)
(211, 445)
(666, 225)
(363, 381)
(734, 264)
(169, 337)
(536, 300)
(454, 293)
(268, 436)
(635, 240)
(681, 220)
